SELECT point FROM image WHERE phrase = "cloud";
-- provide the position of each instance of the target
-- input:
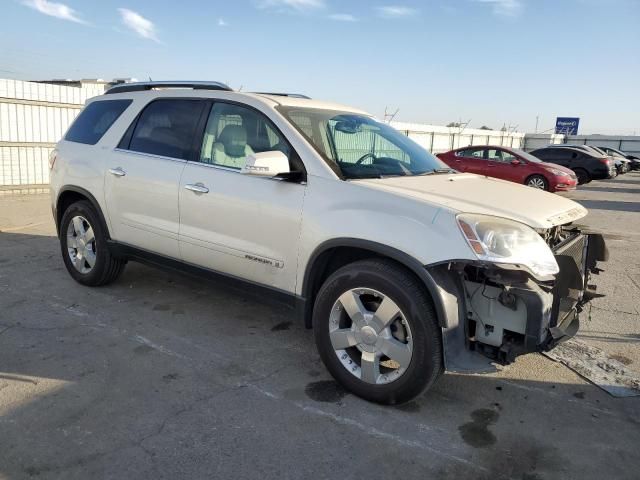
(343, 17)
(140, 25)
(396, 11)
(293, 5)
(222, 22)
(504, 8)
(53, 9)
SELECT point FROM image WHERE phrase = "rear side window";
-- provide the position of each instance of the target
(166, 128)
(94, 121)
(471, 153)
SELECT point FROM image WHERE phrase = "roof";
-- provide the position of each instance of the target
(220, 90)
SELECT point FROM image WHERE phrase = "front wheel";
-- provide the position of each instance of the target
(537, 181)
(376, 331)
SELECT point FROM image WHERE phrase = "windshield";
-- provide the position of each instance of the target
(357, 146)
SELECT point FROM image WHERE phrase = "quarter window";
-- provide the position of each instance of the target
(166, 128)
(234, 132)
(95, 120)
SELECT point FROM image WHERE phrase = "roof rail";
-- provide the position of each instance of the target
(142, 86)
(292, 95)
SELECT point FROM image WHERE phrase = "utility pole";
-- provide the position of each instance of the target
(388, 117)
(536, 131)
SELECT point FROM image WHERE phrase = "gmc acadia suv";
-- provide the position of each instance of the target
(402, 266)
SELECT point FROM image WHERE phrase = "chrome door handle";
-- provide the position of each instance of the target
(118, 172)
(197, 187)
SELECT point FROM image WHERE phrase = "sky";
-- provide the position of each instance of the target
(487, 62)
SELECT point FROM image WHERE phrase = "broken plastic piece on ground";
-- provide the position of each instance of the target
(596, 366)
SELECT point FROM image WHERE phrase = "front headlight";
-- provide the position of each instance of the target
(558, 172)
(500, 240)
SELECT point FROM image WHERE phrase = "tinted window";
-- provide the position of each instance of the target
(471, 153)
(166, 128)
(234, 132)
(564, 154)
(94, 121)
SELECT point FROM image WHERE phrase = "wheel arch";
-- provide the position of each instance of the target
(70, 194)
(332, 254)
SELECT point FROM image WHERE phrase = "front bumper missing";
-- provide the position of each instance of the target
(577, 258)
(506, 314)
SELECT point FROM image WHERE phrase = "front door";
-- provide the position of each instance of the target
(142, 177)
(237, 224)
(500, 165)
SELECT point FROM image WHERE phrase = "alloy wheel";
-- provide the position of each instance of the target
(371, 336)
(81, 244)
(536, 182)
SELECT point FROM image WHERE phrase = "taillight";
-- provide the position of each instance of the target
(52, 159)
(606, 161)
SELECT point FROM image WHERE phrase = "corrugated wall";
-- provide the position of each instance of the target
(439, 139)
(33, 117)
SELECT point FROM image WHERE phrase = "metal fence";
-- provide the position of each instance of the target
(628, 144)
(33, 117)
(439, 139)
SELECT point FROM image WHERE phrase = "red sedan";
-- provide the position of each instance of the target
(513, 165)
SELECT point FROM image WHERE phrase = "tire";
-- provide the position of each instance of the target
(583, 176)
(537, 181)
(378, 282)
(83, 243)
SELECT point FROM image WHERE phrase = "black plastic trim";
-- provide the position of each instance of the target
(380, 249)
(261, 291)
(89, 196)
(144, 86)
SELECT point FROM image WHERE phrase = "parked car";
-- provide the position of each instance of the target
(633, 159)
(621, 167)
(587, 164)
(511, 164)
(403, 267)
(622, 164)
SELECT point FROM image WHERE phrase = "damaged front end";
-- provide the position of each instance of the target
(502, 311)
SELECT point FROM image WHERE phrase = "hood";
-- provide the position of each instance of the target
(468, 193)
(555, 166)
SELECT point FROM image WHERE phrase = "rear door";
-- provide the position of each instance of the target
(143, 175)
(242, 225)
(472, 160)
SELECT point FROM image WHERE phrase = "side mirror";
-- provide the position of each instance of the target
(515, 162)
(266, 164)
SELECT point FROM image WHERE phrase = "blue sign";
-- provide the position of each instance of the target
(567, 125)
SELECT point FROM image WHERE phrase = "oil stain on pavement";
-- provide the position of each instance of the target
(328, 391)
(476, 433)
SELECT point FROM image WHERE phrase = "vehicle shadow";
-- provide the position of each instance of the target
(161, 374)
(614, 190)
(610, 205)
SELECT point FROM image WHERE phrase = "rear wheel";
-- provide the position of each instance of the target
(583, 176)
(537, 181)
(84, 247)
(376, 331)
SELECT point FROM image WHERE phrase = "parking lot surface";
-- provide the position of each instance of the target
(160, 375)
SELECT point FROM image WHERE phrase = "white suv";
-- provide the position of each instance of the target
(402, 266)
